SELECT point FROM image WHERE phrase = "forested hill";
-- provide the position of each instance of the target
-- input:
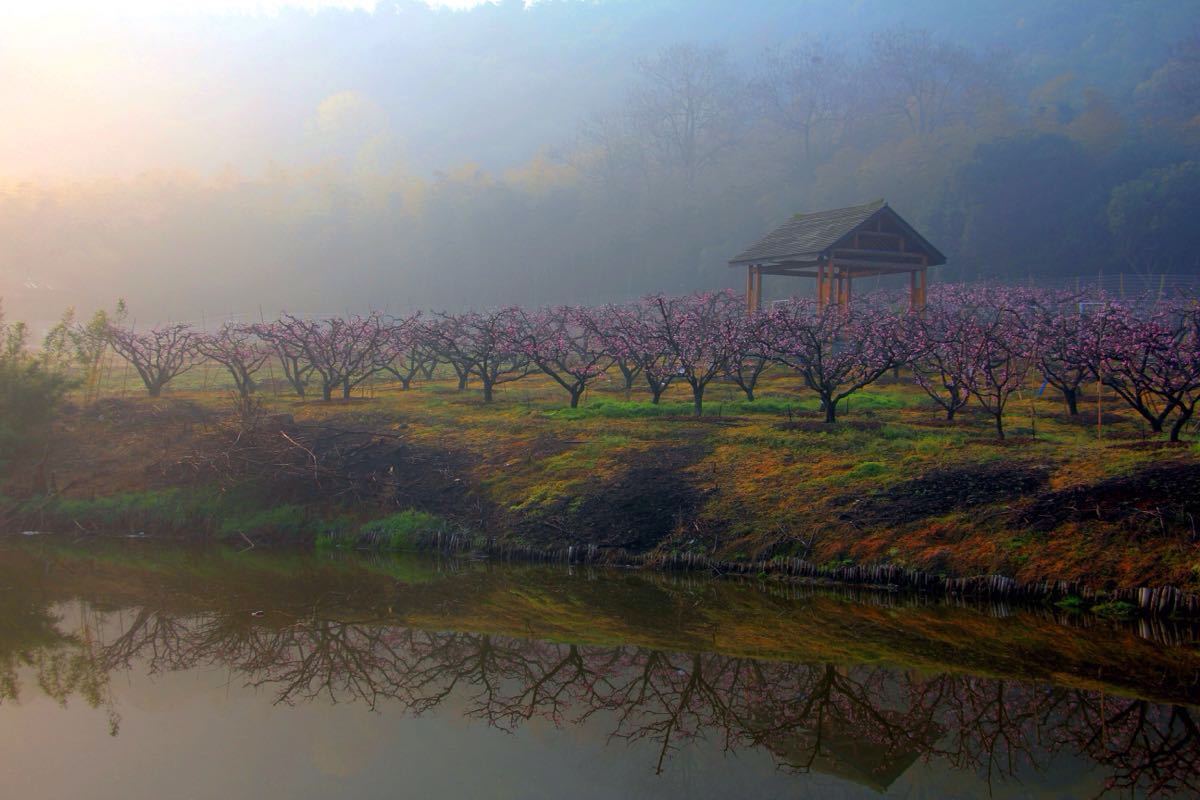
(583, 152)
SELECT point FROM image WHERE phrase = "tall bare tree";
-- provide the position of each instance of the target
(686, 104)
(807, 89)
(928, 81)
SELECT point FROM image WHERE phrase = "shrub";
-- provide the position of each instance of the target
(30, 390)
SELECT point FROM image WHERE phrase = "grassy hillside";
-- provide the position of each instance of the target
(889, 483)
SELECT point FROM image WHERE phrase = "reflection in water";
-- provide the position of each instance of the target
(863, 722)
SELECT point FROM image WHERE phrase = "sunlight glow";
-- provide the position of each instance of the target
(155, 8)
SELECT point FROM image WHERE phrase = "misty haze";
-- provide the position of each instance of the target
(600, 398)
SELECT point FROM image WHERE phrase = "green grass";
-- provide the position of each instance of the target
(605, 408)
(175, 508)
(402, 531)
(868, 469)
(283, 519)
(178, 509)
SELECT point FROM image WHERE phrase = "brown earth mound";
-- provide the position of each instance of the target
(1167, 496)
(635, 510)
(942, 491)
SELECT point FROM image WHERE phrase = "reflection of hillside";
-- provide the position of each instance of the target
(668, 612)
(345, 637)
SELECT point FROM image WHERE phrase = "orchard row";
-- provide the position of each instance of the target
(968, 344)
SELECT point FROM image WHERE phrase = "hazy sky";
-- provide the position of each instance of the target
(123, 86)
(203, 155)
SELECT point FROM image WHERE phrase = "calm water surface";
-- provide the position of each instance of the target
(134, 669)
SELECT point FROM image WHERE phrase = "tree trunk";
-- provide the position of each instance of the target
(749, 390)
(656, 388)
(1180, 424)
(405, 383)
(155, 389)
(698, 400)
(950, 410)
(346, 389)
(1000, 426)
(830, 409)
(487, 391)
(462, 382)
(575, 393)
(326, 391)
(1072, 398)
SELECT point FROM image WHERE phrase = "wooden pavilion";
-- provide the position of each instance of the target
(837, 246)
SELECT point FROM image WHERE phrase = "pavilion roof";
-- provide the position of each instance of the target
(810, 237)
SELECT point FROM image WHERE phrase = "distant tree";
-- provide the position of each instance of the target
(239, 351)
(342, 352)
(1152, 219)
(484, 344)
(747, 357)
(689, 329)
(611, 150)
(565, 344)
(1151, 360)
(1003, 349)
(687, 106)
(1173, 91)
(448, 337)
(159, 355)
(837, 350)
(1026, 204)
(806, 89)
(928, 81)
(630, 338)
(941, 350)
(296, 367)
(406, 351)
(1063, 334)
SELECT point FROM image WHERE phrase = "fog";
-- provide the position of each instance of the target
(329, 156)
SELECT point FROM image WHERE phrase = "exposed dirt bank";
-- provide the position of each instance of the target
(884, 498)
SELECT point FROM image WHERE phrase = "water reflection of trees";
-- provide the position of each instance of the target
(867, 723)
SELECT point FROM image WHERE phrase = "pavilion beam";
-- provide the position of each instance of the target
(795, 273)
(883, 256)
(897, 266)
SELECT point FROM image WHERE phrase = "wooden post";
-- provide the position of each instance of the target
(758, 278)
(750, 289)
(913, 300)
(849, 286)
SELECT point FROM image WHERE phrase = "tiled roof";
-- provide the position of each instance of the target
(805, 236)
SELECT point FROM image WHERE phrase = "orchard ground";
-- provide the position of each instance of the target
(890, 483)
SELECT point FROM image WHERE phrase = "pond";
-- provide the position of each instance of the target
(134, 668)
